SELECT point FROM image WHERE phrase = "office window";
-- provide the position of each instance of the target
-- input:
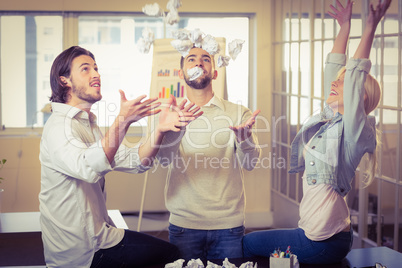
(304, 37)
(29, 44)
(28, 47)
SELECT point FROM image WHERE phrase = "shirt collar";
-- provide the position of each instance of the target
(215, 100)
(327, 113)
(71, 111)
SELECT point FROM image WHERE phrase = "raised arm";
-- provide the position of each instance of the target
(173, 118)
(375, 16)
(130, 112)
(343, 16)
(355, 94)
(336, 60)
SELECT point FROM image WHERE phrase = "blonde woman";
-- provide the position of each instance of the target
(328, 149)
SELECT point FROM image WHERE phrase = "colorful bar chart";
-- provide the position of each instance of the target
(166, 72)
(177, 91)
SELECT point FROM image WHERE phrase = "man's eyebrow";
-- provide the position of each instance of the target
(86, 63)
(203, 56)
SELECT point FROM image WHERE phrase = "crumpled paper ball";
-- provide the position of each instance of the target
(227, 264)
(183, 46)
(194, 73)
(223, 61)
(172, 17)
(177, 264)
(195, 264)
(210, 45)
(181, 34)
(153, 10)
(248, 264)
(199, 264)
(148, 34)
(143, 46)
(145, 42)
(235, 47)
(196, 37)
(173, 4)
(212, 265)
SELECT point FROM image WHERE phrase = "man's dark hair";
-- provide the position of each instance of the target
(62, 67)
(181, 62)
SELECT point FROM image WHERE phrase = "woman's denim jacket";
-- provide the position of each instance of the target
(338, 142)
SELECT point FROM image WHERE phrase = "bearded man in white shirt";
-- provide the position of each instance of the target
(75, 157)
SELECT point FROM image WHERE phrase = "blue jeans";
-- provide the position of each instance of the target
(207, 244)
(136, 250)
(331, 250)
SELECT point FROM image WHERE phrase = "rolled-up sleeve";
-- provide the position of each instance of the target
(333, 64)
(97, 160)
(355, 117)
(128, 160)
(71, 156)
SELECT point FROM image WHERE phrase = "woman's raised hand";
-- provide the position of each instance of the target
(340, 13)
(377, 14)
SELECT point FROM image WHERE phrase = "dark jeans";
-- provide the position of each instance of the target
(136, 250)
(331, 250)
(207, 244)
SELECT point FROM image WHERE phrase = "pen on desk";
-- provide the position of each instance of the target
(275, 254)
(288, 252)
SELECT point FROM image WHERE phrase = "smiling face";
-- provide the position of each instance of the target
(335, 99)
(198, 57)
(84, 82)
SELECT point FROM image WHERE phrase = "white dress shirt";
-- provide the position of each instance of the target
(74, 219)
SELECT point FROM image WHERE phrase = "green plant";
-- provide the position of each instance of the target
(3, 161)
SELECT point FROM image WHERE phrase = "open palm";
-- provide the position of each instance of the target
(175, 118)
(134, 110)
(243, 131)
(378, 13)
(340, 13)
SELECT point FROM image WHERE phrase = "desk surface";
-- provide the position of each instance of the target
(367, 257)
(25, 247)
(21, 241)
(357, 258)
(21, 245)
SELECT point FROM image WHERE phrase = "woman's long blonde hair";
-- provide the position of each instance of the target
(372, 99)
(373, 93)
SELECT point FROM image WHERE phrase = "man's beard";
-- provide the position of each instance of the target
(80, 93)
(199, 83)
